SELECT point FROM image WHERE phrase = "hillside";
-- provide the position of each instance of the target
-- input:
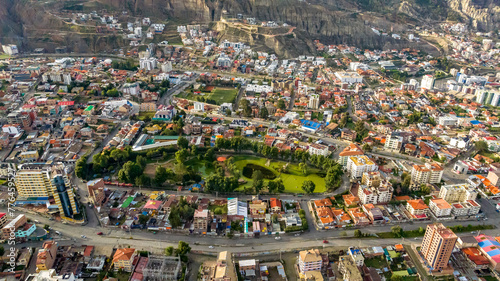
(31, 23)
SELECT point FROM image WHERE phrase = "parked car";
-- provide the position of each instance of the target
(210, 247)
(325, 241)
(277, 238)
(100, 233)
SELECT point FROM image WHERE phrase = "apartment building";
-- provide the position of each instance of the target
(417, 208)
(357, 165)
(376, 195)
(371, 178)
(351, 150)
(3, 219)
(96, 191)
(427, 173)
(310, 260)
(44, 181)
(318, 149)
(46, 256)
(123, 259)
(15, 224)
(457, 193)
(393, 142)
(200, 220)
(440, 208)
(437, 245)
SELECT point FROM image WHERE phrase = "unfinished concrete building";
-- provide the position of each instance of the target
(162, 268)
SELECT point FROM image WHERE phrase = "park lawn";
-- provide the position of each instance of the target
(223, 95)
(4, 56)
(400, 273)
(292, 181)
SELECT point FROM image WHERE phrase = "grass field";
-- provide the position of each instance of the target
(144, 114)
(292, 181)
(4, 56)
(223, 95)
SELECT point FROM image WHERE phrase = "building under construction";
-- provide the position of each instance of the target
(162, 268)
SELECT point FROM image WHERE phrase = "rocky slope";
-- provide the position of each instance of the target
(29, 24)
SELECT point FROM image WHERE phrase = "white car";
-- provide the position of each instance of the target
(210, 247)
(277, 238)
(83, 236)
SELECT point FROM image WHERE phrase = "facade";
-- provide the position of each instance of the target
(427, 173)
(275, 205)
(318, 149)
(3, 219)
(46, 256)
(349, 77)
(457, 193)
(488, 96)
(393, 142)
(437, 245)
(310, 260)
(314, 101)
(236, 207)
(123, 259)
(376, 195)
(51, 275)
(440, 208)
(15, 224)
(357, 165)
(96, 191)
(200, 220)
(494, 177)
(417, 208)
(43, 181)
(427, 82)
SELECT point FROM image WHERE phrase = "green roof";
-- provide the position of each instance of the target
(127, 202)
(89, 108)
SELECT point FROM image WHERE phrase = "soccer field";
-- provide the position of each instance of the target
(223, 95)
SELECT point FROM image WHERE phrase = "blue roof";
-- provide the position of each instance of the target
(475, 122)
(493, 253)
(488, 243)
(310, 124)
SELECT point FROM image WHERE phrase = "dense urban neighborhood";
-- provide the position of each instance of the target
(195, 158)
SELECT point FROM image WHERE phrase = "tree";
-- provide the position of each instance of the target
(46, 227)
(182, 142)
(333, 177)
(142, 161)
(228, 112)
(263, 113)
(303, 168)
(169, 251)
(210, 155)
(397, 231)
(281, 104)
(276, 186)
(245, 107)
(258, 181)
(367, 147)
(308, 186)
(183, 248)
(481, 146)
(181, 156)
(161, 175)
(129, 172)
(143, 180)
(425, 189)
(358, 233)
(143, 219)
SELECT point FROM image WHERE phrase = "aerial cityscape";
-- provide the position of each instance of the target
(230, 140)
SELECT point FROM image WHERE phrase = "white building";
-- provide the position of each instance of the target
(51, 275)
(199, 106)
(488, 96)
(10, 49)
(448, 120)
(310, 260)
(166, 67)
(357, 165)
(148, 63)
(318, 149)
(457, 193)
(349, 77)
(314, 101)
(381, 194)
(427, 82)
(131, 89)
(393, 142)
(427, 173)
(440, 208)
(236, 207)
